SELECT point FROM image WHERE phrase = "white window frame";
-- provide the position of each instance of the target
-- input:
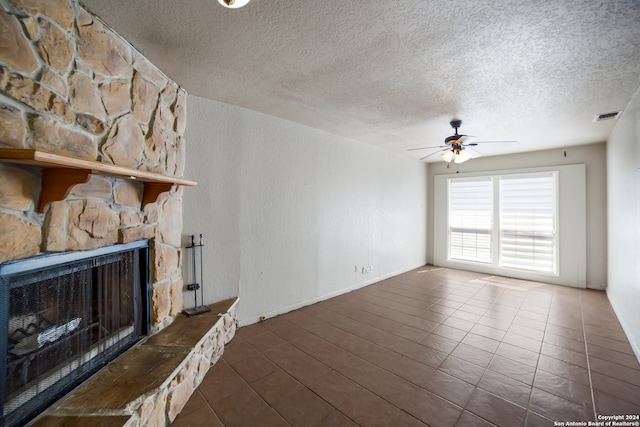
(570, 229)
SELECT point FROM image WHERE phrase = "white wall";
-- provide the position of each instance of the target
(593, 156)
(288, 211)
(623, 166)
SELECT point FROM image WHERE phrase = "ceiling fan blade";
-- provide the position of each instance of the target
(434, 153)
(464, 138)
(491, 142)
(426, 148)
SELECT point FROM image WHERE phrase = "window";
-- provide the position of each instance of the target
(545, 240)
(470, 219)
(524, 236)
(528, 222)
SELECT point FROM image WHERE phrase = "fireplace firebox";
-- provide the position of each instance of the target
(62, 318)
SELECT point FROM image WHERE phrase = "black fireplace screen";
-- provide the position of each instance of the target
(63, 317)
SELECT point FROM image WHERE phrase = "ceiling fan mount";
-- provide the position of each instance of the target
(455, 124)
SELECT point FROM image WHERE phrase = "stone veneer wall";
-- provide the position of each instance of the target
(71, 86)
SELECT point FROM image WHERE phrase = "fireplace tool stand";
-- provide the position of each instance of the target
(196, 309)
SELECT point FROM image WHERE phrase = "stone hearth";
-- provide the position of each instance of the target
(151, 383)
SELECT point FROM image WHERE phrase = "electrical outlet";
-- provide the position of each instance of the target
(368, 269)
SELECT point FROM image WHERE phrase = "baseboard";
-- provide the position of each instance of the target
(635, 346)
(283, 310)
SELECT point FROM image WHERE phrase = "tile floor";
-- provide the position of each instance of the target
(434, 347)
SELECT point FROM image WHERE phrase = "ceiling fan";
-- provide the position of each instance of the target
(457, 147)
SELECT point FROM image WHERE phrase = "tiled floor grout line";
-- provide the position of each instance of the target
(350, 379)
(436, 368)
(485, 369)
(511, 323)
(373, 363)
(248, 384)
(390, 327)
(209, 405)
(528, 407)
(285, 371)
(373, 342)
(586, 353)
(403, 312)
(476, 386)
(492, 358)
(546, 324)
(368, 361)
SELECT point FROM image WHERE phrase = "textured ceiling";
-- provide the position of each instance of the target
(393, 73)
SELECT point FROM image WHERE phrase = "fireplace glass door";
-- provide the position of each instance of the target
(65, 319)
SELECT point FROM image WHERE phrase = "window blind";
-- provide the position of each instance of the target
(528, 221)
(470, 219)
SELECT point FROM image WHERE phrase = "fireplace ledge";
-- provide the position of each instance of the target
(61, 172)
(151, 382)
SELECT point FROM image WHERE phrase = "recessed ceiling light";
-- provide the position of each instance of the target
(614, 115)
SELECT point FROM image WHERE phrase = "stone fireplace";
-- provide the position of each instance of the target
(68, 315)
(71, 87)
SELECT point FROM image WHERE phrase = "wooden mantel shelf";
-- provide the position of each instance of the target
(61, 172)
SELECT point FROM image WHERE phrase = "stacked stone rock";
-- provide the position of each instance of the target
(71, 86)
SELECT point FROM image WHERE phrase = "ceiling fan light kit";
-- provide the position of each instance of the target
(457, 155)
(233, 4)
(457, 147)
(448, 156)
